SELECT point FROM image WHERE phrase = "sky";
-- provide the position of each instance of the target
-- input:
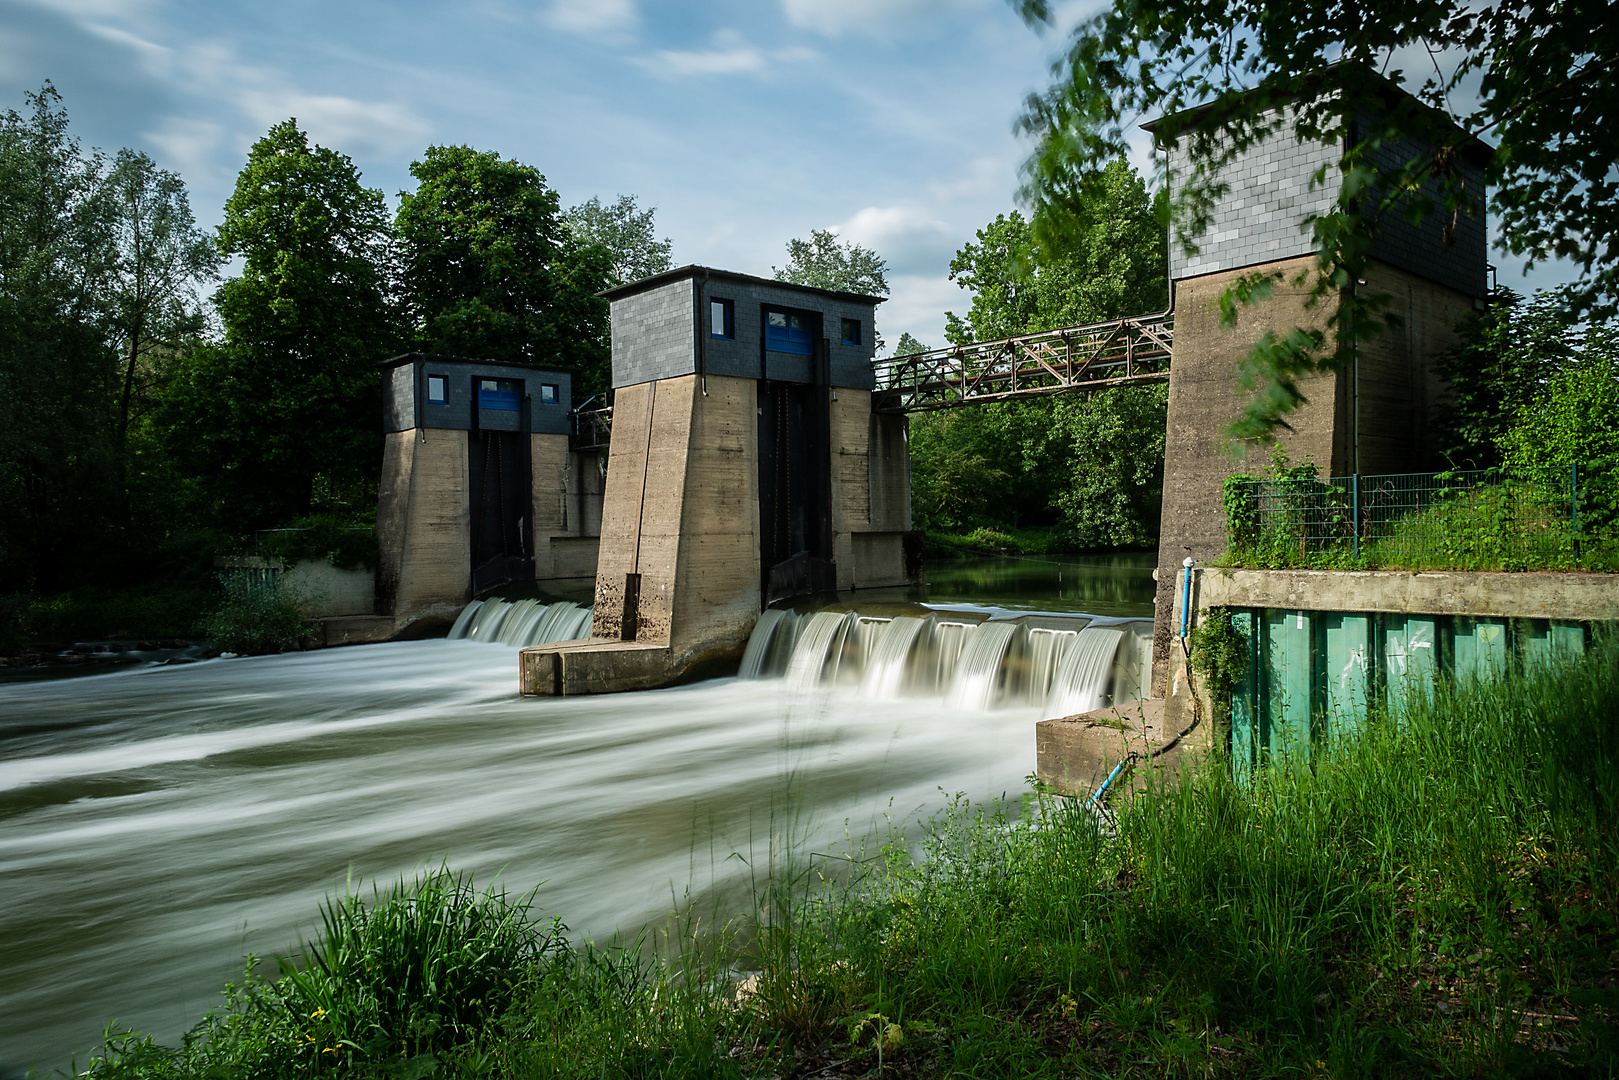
(746, 123)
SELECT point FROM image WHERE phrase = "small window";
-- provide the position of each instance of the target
(438, 389)
(851, 331)
(548, 393)
(498, 394)
(787, 332)
(721, 319)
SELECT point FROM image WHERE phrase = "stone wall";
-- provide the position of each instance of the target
(424, 524)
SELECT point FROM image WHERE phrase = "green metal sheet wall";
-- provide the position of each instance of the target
(1315, 677)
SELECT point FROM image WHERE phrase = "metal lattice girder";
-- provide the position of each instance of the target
(1090, 357)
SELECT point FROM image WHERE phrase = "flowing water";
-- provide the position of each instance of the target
(156, 825)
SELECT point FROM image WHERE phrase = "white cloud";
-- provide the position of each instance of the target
(731, 55)
(593, 18)
(345, 123)
(835, 17)
(910, 238)
(917, 306)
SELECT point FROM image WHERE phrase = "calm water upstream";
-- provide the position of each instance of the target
(157, 825)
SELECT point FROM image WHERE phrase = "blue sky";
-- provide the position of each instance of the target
(744, 124)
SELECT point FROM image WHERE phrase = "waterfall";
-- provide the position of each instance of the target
(521, 622)
(886, 667)
(818, 652)
(1081, 684)
(980, 674)
(970, 665)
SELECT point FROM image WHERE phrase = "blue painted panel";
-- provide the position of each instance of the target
(1288, 660)
(498, 394)
(1348, 675)
(1245, 697)
(1480, 647)
(1567, 639)
(1410, 654)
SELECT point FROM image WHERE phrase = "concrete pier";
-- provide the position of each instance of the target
(746, 465)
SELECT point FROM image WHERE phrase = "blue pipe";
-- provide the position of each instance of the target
(1112, 776)
(1186, 597)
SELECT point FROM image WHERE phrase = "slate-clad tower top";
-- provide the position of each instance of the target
(425, 390)
(703, 321)
(1263, 216)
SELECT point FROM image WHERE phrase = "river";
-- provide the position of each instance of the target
(158, 824)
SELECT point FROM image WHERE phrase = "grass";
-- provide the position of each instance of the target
(1440, 897)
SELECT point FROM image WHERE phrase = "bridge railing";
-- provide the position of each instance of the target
(1090, 357)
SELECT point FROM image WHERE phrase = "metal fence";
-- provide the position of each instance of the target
(1478, 519)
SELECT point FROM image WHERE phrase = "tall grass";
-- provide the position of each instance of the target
(1440, 896)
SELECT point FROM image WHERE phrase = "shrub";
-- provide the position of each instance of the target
(257, 616)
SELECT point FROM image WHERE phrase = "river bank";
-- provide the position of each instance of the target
(1441, 896)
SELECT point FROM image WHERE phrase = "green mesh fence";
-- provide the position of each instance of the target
(1483, 519)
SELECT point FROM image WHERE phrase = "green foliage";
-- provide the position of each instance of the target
(1219, 658)
(627, 233)
(1495, 370)
(290, 398)
(491, 271)
(908, 345)
(1089, 466)
(1313, 73)
(256, 617)
(1117, 266)
(825, 262)
(329, 537)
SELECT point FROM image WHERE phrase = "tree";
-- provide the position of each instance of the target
(1115, 267)
(824, 262)
(161, 256)
(1545, 73)
(909, 345)
(58, 457)
(1504, 357)
(626, 232)
(490, 271)
(289, 403)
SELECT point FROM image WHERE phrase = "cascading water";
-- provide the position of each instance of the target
(974, 666)
(1081, 683)
(981, 673)
(521, 622)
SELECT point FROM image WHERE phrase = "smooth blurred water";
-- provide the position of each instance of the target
(158, 825)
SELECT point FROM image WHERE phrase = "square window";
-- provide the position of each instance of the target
(498, 394)
(721, 319)
(851, 331)
(788, 333)
(438, 389)
(548, 393)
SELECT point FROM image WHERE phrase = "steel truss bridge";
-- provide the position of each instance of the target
(1094, 357)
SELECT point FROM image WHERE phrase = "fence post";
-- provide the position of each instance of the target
(1354, 487)
(1574, 505)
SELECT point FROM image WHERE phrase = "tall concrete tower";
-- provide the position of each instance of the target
(1370, 417)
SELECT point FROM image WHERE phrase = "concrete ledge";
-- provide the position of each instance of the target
(593, 666)
(1074, 754)
(1573, 596)
(355, 630)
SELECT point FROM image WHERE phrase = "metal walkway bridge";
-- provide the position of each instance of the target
(1093, 357)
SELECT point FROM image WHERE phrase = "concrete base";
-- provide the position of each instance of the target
(592, 666)
(1075, 753)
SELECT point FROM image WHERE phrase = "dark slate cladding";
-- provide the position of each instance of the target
(405, 404)
(1264, 214)
(661, 329)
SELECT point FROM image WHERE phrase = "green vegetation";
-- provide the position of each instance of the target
(1440, 896)
(139, 436)
(1087, 468)
(1292, 67)
(257, 615)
